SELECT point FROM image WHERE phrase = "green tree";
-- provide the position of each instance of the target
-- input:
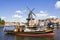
(2, 22)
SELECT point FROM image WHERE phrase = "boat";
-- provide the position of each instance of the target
(31, 33)
(37, 33)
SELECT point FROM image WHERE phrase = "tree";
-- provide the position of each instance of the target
(2, 22)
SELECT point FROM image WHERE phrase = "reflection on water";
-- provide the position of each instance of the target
(34, 38)
(14, 37)
(57, 34)
(5, 37)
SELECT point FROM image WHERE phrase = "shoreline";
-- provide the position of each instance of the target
(2, 25)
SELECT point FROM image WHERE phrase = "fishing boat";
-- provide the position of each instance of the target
(20, 32)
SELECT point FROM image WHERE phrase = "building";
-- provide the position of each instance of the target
(12, 23)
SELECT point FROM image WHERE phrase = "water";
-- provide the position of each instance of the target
(14, 37)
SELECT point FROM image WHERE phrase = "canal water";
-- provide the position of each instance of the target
(14, 37)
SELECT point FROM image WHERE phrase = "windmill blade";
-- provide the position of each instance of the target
(33, 14)
(33, 9)
(28, 8)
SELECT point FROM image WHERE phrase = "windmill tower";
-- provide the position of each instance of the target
(30, 18)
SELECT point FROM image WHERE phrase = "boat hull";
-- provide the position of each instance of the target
(47, 34)
(32, 33)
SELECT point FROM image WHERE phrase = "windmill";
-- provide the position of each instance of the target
(30, 16)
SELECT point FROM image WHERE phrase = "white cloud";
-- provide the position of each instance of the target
(19, 20)
(19, 11)
(3, 17)
(57, 5)
(16, 16)
(51, 17)
(42, 11)
(42, 14)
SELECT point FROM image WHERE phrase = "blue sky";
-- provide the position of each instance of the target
(16, 10)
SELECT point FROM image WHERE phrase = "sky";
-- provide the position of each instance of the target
(17, 11)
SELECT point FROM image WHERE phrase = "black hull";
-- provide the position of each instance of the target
(38, 33)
